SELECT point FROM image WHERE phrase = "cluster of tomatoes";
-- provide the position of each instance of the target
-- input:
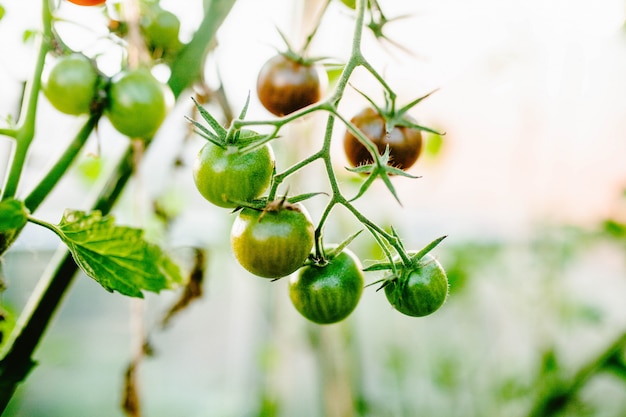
(134, 101)
(276, 239)
(271, 239)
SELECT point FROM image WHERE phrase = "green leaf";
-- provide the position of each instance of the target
(117, 257)
(2, 11)
(344, 244)
(217, 127)
(13, 217)
(419, 255)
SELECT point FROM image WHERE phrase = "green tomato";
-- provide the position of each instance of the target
(160, 28)
(72, 84)
(421, 291)
(272, 243)
(328, 293)
(225, 175)
(137, 103)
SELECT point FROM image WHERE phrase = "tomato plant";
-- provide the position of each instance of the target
(137, 103)
(88, 2)
(420, 290)
(226, 176)
(328, 292)
(272, 235)
(71, 84)
(272, 243)
(405, 143)
(286, 84)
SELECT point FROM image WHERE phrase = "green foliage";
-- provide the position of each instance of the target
(13, 217)
(117, 257)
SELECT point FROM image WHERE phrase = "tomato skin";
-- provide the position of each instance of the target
(424, 291)
(272, 244)
(137, 103)
(285, 85)
(223, 175)
(328, 294)
(71, 85)
(88, 2)
(405, 143)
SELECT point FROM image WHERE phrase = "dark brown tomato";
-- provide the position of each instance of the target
(285, 85)
(405, 143)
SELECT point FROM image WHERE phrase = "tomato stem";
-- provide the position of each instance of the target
(25, 131)
(41, 191)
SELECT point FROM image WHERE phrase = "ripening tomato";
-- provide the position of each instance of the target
(272, 243)
(88, 2)
(328, 293)
(72, 84)
(137, 103)
(405, 143)
(285, 85)
(422, 291)
(225, 176)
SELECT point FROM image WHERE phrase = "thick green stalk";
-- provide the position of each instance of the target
(188, 66)
(41, 191)
(25, 131)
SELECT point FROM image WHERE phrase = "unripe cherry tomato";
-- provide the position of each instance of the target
(225, 176)
(137, 103)
(405, 143)
(272, 243)
(329, 293)
(161, 28)
(422, 291)
(285, 85)
(71, 85)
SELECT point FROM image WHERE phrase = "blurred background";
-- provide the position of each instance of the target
(528, 183)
